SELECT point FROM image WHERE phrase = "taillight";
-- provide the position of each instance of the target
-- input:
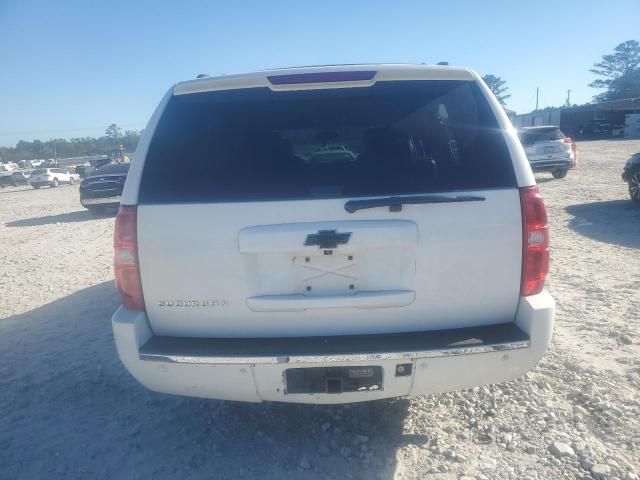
(574, 147)
(535, 241)
(126, 266)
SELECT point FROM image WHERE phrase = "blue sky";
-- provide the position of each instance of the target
(69, 69)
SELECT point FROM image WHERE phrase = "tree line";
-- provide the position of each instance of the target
(108, 144)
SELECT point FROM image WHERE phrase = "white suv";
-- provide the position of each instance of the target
(548, 150)
(51, 177)
(254, 272)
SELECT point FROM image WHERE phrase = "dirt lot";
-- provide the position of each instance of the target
(70, 410)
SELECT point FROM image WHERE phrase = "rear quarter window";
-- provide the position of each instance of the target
(391, 138)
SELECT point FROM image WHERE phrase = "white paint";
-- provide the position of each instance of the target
(463, 260)
(266, 382)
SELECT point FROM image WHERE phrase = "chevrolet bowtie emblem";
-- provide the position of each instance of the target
(327, 239)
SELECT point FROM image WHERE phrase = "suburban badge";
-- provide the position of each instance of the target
(193, 303)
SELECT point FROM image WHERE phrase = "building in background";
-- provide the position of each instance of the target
(617, 119)
(537, 118)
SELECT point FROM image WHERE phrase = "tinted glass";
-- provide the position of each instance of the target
(390, 138)
(528, 137)
(111, 169)
(42, 171)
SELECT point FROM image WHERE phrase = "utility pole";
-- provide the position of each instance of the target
(537, 96)
(55, 152)
(568, 103)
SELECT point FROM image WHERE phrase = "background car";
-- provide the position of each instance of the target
(631, 175)
(22, 177)
(6, 179)
(52, 177)
(15, 178)
(548, 150)
(84, 170)
(332, 153)
(103, 187)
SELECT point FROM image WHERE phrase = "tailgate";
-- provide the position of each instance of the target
(249, 272)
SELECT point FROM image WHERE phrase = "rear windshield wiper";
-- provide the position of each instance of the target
(395, 203)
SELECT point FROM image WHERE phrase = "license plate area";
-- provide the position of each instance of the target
(328, 273)
(333, 379)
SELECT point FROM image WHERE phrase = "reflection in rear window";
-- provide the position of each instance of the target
(390, 138)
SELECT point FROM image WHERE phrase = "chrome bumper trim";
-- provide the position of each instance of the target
(356, 357)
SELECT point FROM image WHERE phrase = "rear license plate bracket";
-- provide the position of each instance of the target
(333, 379)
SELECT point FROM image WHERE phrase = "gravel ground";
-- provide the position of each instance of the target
(70, 410)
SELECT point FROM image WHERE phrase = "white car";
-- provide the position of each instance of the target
(7, 167)
(52, 177)
(252, 274)
(548, 149)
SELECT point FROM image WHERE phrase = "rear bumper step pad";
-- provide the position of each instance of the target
(345, 348)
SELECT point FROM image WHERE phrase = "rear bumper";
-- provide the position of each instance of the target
(104, 201)
(551, 165)
(254, 369)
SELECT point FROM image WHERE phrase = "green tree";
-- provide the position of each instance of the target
(113, 132)
(620, 72)
(497, 86)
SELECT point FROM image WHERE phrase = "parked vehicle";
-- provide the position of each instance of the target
(22, 177)
(249, 274)
(6, 179)
(51, 177)
(15, 178)
(631, 175)
(103, 187)
(101, 162)
(7, 167)
(548, 150)
(331, 154)
(84, 170)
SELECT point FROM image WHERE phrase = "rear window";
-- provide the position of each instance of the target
(388, 139)
(111, 169)
(527, 137)
(41, 171)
